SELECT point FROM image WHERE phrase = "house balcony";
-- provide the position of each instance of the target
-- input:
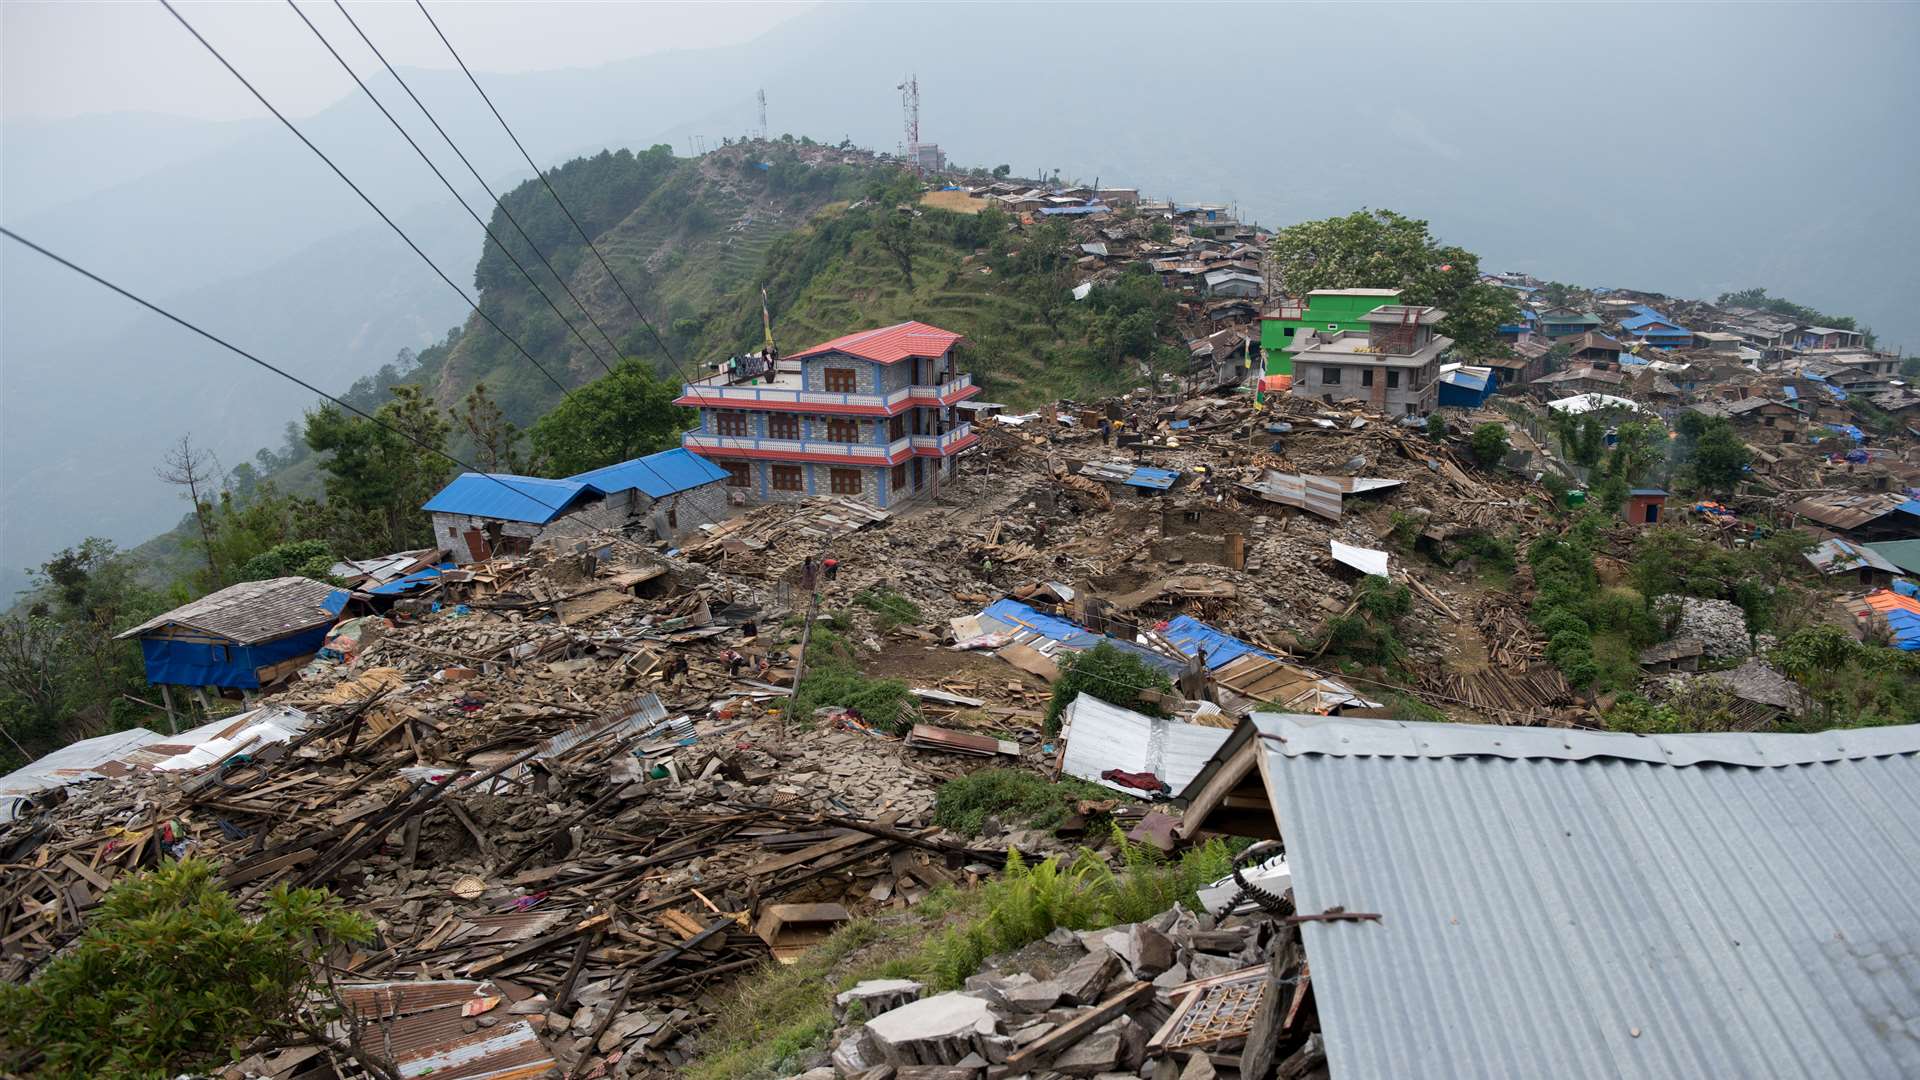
(784, 392)
(831, 453)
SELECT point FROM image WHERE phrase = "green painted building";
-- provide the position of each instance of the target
(1324, 310)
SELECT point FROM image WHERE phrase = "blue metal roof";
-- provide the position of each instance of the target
(513, 498)
(1157, 479)
(1189, 635)
(656, 475)
(1792, 392)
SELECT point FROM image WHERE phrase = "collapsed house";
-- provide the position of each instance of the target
(1497, 901)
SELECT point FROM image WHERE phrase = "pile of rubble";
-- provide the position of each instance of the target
(1177, 996)
(1719, 625)
(540, 812)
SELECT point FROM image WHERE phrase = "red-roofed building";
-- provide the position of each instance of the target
(869, 415)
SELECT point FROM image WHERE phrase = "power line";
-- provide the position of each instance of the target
(451, 190)
(568, 394)
(497, 200)
(283, 373)
(644, 321)
(364, 198)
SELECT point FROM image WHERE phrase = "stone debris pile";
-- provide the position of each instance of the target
(1178, 997)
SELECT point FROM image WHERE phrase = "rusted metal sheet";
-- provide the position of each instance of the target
(928, 737)
(423, 1028)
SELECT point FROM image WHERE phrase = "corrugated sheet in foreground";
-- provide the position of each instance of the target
(1605, 916)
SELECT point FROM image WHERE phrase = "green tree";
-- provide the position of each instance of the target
(1639, 449)
(1715, 456)
(1383, 249)
(893, 220)
(614, 418)
(1001, 172)
(299, 558)
(495, 439)
(383, 472)
(1113, 675)
(1436, 426)
(1490, 444)
(170, 977)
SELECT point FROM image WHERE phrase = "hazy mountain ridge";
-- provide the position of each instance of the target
(1638, 178)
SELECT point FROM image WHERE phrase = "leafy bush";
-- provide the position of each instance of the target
(1849, 683)
(169, 977)
(1436, 426)
(893, 608)
(1367, 635)
(1490, 442)
(301, 558)
(1018, 797)
(1110, 674)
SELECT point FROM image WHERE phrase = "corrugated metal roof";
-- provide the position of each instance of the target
(254, 611)
(890, 344)
(1902, 553)
(1101, 736)
(1848, 510)
(506, 497)
(656, 475)
(1583, 904)
(1838, 556)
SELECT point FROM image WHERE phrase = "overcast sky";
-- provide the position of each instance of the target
(66, 58)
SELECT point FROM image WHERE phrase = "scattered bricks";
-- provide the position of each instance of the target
(939, 1030)
(875, 996)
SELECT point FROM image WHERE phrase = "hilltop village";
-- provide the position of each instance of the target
(1379, 683)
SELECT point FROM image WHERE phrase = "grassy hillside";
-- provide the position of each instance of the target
(839, 274)
(680, 234)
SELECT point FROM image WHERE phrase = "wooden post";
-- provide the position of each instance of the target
(166, 695)
(800, 660)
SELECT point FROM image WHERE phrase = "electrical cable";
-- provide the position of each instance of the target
(568, 394)
(282, 372)
(363, 196)
(644, 321)
(524, 272)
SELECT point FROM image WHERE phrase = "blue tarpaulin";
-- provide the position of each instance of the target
(1190, 635)
(1014, 615)
(178, 662)
(1849, 431)
(1906, 629)
(1158, 479)
(407, 584)
(1906, 587)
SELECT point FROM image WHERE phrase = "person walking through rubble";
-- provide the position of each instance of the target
(734, 660)
(833, 567)
(806, 574)
(1106, 431)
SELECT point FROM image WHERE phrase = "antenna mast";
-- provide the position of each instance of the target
(910, 110)
(763, 114)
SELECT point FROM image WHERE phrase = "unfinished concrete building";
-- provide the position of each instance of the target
(1394, 367)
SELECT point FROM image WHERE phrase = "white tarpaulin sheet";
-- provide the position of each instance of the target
(1365, 560)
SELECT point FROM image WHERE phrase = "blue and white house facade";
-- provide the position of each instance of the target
(868, 416)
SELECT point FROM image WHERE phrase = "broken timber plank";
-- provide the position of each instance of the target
(1073, 1031)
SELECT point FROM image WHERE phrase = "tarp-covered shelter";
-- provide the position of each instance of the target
(243, 637)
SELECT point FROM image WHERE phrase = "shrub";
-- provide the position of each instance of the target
(303, 558)
(1436, 426)
(1018, 797)
(169, 977)
(1490, 442)
(893, 608)
(832, 679)
(1110, 674)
